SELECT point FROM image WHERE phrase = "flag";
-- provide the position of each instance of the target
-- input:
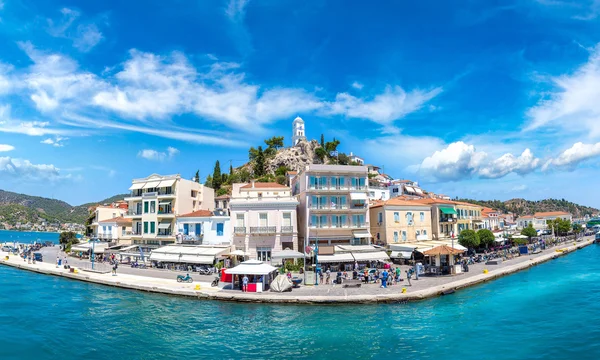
(333, 205)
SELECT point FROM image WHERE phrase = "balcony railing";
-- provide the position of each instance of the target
(287, 229)
(165, 212)
(134, 212)
(328, 207)
(149, 194)
(239, 230)
(263, 229)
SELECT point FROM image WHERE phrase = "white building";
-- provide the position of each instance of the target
(103, 213)
(203, 227)
(356, 159)
(114, 229)
(156, 201)
(298, 131)
(379, 193)
(333, 205)
(264, 219)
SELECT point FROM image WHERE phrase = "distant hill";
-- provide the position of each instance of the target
(23, 208)
(528, 207)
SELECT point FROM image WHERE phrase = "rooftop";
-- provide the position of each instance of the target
(551, 213)
(118, 220)
(264, 185)
(400, 201)
(198, 213)
(336, 168)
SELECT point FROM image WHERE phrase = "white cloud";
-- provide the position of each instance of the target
(84, 36)
(393, 104)
(461, 161)
(573, 156)
(155, 155)
(519, 188)
(56, 142)
(357, 85)
(20, 169)
(235, 10)
(6, 148)
(31, 128)
(574, 101)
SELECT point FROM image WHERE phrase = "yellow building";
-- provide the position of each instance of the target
(399, 221)
(468, 216)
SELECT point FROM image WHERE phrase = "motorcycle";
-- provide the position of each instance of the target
(204, 271)
(187, 278)
(215, 282)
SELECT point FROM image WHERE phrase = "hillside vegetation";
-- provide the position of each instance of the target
(528, 207)
(23, 208)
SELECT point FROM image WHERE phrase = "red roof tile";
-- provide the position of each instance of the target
(118, 220)
(197, 213)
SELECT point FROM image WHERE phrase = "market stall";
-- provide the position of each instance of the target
(259, 275)
(441, 260)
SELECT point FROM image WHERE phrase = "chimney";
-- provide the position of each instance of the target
(252, 181)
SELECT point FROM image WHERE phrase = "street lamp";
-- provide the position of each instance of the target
(317, 259)
(93, 245)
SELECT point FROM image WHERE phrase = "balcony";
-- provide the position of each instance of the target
(328, 207)
(239, 230)
(150, 194)
(263, 230)
(165, 213)
(287, 229)
(447, 219)
(137, 212)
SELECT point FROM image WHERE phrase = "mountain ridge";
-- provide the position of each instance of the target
(520, 206)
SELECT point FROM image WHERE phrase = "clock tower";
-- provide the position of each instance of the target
(298, 131)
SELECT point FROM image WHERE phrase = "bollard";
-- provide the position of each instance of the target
(485, 271)
(197, 287)
(404, 290)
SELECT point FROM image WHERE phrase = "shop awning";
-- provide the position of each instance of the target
(358, 196)
(361, 234)
(287, 254)
(80, 248)
(336, 258)
(419, 191)
(499, 240)
(164, 203)
(166, 183)
(197, 259)
(164, 257)
(252, 267)
(409, 189)
(448, 210)
(151, 184)
(401, 254)
(137, 186)
(371, 256)
(164, 225)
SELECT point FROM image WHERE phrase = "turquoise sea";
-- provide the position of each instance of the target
(28, 237)
(548, 312)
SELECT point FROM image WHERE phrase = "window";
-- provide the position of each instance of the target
(263, 253)
(194, 193)
(313, 182)
(343, 220)
(396, 217)
(220, 229)
(198, 230)
(145, 227)
(152, 227)
(358, 220)
(322, 182)
(239, 219)
(186, 229)
(334, 182)
(378, 236)
(409, 218)
(287, 219)
(334, 202)
(263, 219)
(260, 195)
(424, 232)
(403, 235)
(380, 217)
(323, 221)
(335, 221)
(418, 233)
(152, 207)
(422, 215)
(395, 236)
(145, 207)
(342, 202)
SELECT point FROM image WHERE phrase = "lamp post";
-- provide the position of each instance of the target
(93, 245)
(317, 259)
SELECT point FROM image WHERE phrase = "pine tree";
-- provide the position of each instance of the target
(230, 169)
(259, 163)
(197, 177)
(322, 141)
(216, 177)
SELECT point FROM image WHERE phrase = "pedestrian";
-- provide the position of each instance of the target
(398, 274)
(65, 262)
(245, 284)
(328, 277)
(57, 261)
(384, 278)
(356, 265)
(321, 276)
(114, 268)
(408, 276)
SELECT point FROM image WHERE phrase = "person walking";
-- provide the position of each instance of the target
(245, 284)
(384, 278)
(57, 261)
(328, 277)
(114, 269)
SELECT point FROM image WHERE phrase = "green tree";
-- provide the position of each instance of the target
(259, 163)
(486, 237)
(563, 226)
(208, 182)
(222, 191)
(343, 159)
(276, 142)
(322, 141)
(321, 154)
(252, 154)
(331, 146)
(577, 228)
(67, 237)
(529, 231)
(468, 239)
(216, 177)
(281, 179)
(282, 170)
(197, 176)
(230, 169)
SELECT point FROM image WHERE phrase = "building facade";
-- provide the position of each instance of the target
(115, 229)
(298, 131)
(103, 213)
(157, 200)
(398, 220)
(204, 227)
(333, 205)
(263, 218)
(468, 216)
(490, 218)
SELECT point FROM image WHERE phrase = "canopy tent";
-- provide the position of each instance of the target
(164, 257)
(336, 258)
(98, 247)
(195, 254)
(252, 267)
(499, 240)
(287, 254)
(442, 250)
(137, 186)
(166, 183)
(519, 237)
(358, 196)
(419, 191)
(164, 203)
(197, 259)
(239, 253)
(371, 256)
(447, 210)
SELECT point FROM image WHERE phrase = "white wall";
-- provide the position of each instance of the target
(209, 228)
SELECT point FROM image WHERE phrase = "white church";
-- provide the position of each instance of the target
(298, 131)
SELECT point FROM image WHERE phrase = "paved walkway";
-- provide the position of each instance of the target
(146, 279)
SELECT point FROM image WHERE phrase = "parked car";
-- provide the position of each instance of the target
(37, 256)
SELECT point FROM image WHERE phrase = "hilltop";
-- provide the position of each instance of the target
(15, 207)
(528, 207)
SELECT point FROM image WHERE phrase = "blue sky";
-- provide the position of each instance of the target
(483, 99)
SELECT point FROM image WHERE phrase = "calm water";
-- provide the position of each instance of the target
(27, 237)
(548, 312)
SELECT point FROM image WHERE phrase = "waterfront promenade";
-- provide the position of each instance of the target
(423, 288)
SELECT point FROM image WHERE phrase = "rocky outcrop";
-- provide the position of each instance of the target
(296, 157)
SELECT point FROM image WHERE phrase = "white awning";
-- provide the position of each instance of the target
(371, 256)
(164, 203)
(80, 248)
(151, 184)
(336, 258)
(419, 191)
(361, 234)
(166, 183)
(499, 240)
(401, 254)
(164, 257)
(358, 196)
(287, 254)
(137, 186)
(251, 267)
(197, 259)
(164, 225)
(409, 189)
